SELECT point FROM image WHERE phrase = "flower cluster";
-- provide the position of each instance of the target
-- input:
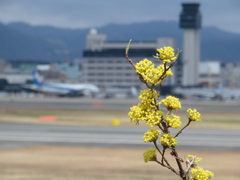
(166, 54)
(142, 113)
(154, 118)
(146, 109)
(149, 155)
(196, 172)
(194, 115)
(136, 114)
(171, 102)
(201, 174)
(173, 121)
(149, 110)
(193, 161)
(151, 135)
(150, 74)
(147, 96)
(168, 140)
(196, 159)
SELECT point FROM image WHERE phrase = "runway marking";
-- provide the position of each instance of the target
(47, 118)
(97, 104)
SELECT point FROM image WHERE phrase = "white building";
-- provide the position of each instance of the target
(104, 63)
(231, 75)
(209, 73)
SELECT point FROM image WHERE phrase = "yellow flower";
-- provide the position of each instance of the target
(201, 174)
(173, 121)
(147, 96)
(168, 140)
(151, 74)
(166, 54)
(145, 68)
(137, 114)
(171, 102)
(149, 155)
(151, 135)
(153, 118)
(193, 160)
(197, 159)
(194, 115)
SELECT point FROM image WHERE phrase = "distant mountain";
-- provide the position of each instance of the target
(18, 45)
(22, 41)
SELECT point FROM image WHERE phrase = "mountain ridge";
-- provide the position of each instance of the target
(23, 41)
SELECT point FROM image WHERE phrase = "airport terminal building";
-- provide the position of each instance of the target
(104, 63)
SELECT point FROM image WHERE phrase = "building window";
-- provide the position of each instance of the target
(128, 74)
(91, 61)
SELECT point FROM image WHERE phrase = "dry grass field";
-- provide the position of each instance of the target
(226, 120)
(82, 163)
(89, 163)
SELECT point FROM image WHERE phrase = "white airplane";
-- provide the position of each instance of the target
(209, 93)
(60, 89)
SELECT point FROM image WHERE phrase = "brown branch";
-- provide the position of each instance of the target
(179, 132)
(179, 163)
(165, 71)
(159, 89)
(164, 150)
(155, 104)
(159, 125)
(165, 160)
(126, 54)
(130, 61)
(169, 167)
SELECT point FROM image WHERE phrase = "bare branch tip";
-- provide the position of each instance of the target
(128, 46)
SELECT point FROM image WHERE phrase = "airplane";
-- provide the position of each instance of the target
(60, 89)
(209, 93)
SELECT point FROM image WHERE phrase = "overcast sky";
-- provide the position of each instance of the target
(224, 14)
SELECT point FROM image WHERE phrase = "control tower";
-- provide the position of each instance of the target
(190, 21)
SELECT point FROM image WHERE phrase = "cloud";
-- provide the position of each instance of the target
(94, 13)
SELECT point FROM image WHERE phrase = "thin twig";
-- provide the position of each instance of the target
(165, 71)
(169, 167)
(130, 61)
(165, 160)
(179, 132)
(126, 54)
(159, 125)
(164, 150)
(190, 163)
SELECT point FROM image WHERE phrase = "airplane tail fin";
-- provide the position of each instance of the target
(37, 78)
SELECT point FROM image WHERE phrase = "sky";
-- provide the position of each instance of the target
(79, 14)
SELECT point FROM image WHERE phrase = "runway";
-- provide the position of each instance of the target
(14, 135)
(114, 104)
(17, 135)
